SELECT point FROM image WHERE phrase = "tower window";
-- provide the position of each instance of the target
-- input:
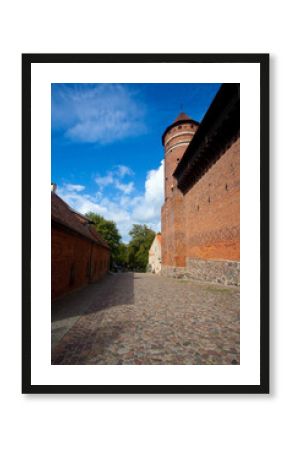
(179, 127)
(177, 159)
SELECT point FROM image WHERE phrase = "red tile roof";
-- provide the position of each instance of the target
(63, 214)
(182, 116)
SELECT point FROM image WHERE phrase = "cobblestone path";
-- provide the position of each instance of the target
(134, 318)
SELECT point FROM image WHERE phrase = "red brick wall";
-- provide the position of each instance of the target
(205, 222)
(75, 261)
(173, 231)
(173, 246)
(100, 262)
(212, 210)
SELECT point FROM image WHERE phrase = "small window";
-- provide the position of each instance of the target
(179, 127)
(177, 159)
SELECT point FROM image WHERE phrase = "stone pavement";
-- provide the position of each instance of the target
(137, 318)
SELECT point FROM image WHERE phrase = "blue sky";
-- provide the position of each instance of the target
(107, 154)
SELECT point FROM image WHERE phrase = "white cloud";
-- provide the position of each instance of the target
(104, 181)
(80, 202)
(149, 208)
(74, 187)
(126, 188)
(123, 208)
(124, 170)
(97, 113)
(113, 177)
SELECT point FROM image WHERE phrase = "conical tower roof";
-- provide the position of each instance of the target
(180, 119)
(182, 116)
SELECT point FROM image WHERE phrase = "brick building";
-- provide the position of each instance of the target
(201, 212)
(154, 260)
(79, 255)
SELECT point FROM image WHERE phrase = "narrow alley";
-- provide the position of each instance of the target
(140, 318)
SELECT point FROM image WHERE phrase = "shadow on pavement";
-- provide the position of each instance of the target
(113, 290)
(88, 346)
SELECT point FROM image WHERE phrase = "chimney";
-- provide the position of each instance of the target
(53, 187)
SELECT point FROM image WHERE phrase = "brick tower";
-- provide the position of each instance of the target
(175, 140)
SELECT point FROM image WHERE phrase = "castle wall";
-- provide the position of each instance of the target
(212, 210)
(209, 271)
(201, 229)
(172, 220)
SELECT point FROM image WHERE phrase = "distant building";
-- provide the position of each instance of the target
(79, 255)
(155, 255)
(201, 212)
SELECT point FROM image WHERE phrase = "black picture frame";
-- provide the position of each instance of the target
(263, 61)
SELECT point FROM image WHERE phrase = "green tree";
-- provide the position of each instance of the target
(122, 256)
(138, 248)
(109, 231)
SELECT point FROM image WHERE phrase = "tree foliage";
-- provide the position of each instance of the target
(134, 255)
(138, 248)
(109, 231)
(122, 256)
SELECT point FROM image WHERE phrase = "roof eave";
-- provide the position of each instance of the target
(225, 108)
